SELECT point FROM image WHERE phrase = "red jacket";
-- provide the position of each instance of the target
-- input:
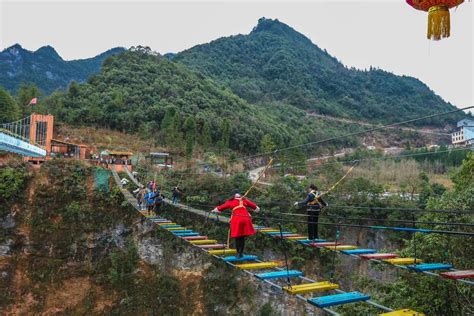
(240, 221)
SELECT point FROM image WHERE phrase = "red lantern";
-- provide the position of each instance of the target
(438, 15)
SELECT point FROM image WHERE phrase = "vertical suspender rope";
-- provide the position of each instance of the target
(333, 272)
(284, 252)
(414, 238)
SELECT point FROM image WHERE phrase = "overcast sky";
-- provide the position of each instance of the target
(387, 34)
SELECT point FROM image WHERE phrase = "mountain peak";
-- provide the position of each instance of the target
(265, 24)
(48, 51)
(279, 28)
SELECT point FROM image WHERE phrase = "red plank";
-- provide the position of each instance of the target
(461, 274)
(379, 256)
(194, 237)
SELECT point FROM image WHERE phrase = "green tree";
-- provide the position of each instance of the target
(168, 119)
(190, 132)
(267, 144)
(170, 128)
(225, 135)
(9, 110)
(206, 138)
(429, 295)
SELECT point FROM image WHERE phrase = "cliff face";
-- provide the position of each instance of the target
(66, 247)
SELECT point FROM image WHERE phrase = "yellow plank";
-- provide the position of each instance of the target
(203, 241)
(311, 287)
(403, 312)
(219, 252)
(258, 265)
(268, 230)
(296, 238)
(403, 260)
(164, 224)
(341, 247)
(176, 228)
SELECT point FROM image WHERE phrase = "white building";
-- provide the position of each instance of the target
(464, 133)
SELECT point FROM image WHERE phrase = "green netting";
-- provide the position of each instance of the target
(101, 177)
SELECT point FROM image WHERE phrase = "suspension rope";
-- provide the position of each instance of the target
(409, 229)
(339, 181)
(259, 176)
(360, 132)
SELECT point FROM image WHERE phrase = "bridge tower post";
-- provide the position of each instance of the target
(41, 133)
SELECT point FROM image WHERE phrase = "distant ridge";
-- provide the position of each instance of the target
(45, 68)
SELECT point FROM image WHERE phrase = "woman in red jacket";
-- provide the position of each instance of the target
(240, 222)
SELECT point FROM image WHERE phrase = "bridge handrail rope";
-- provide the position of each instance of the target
(277, 220)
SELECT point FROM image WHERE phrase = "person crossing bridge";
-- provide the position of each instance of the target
(241, 225)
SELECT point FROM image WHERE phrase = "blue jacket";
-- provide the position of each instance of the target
(150, 198)
(313, 201)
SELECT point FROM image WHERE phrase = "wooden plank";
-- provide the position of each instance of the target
(341, 247)
(203, 242)
(379, 256)
(219, 252)
(338, 299)
(403, 261)
(258, 265)
(403, 312)
(311, 287)
(460, 274)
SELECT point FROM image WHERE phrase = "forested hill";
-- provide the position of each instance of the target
(276, 63)
(138, 91)
(45, 68)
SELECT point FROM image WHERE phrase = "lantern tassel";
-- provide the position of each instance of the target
(438, 23)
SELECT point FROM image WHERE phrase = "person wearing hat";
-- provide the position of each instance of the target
(241, 225)
(314, 203)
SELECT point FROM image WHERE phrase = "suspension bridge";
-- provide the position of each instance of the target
(28, 137)
(272, 273)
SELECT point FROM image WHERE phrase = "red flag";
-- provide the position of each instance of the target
(33, 101)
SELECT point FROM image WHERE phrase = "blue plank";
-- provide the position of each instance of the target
(307, 241)
(358, 251)
(170, 226)
(236, 259)
(338, 299)
(278, 233)
(181, 231)
(279, 274)
(407, 229)
(186, 234)
(430, 266)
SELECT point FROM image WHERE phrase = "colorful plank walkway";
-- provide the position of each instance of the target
(249, 262)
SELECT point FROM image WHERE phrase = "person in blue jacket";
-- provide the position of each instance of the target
(150, 201)
(314, 203)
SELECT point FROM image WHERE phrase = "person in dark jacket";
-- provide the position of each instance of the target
(158, 201)
(314, 203)
(176, 194)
